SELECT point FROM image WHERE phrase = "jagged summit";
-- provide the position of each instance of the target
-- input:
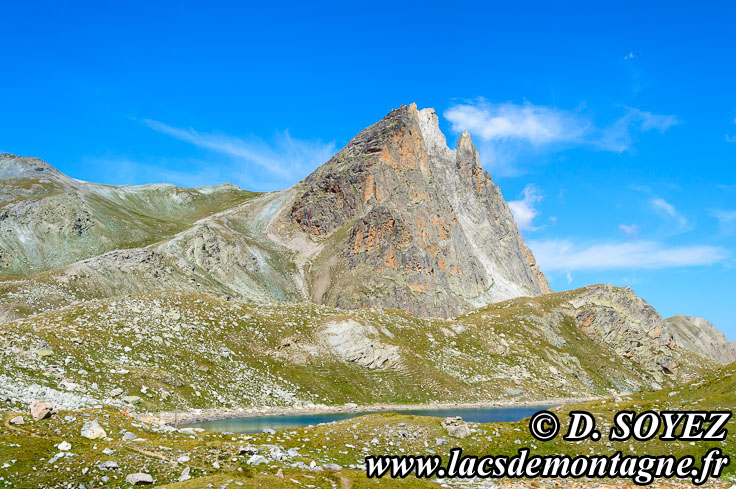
(421, 226)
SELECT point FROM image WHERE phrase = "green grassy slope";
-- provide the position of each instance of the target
(197, 351)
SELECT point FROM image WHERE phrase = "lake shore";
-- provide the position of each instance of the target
(201, 416)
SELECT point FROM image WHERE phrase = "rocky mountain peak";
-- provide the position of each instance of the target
(700, 336)
(12, 166)
(398, 203)
(464, 142)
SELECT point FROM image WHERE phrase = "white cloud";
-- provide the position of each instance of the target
(524, 210)
(563, 255)
(629, 56)
(569, 277)
(504, 130)
(286, 157)
(668, 210)
(631, 230)
(507, 121)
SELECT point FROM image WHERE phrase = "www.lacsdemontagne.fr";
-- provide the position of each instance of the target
(641, 470)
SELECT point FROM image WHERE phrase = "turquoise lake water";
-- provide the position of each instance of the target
(257, 424)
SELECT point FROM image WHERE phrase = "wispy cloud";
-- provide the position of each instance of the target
(524, 210)
(630, 230)
(285, 158)
(669, 211)
(565, 256)
(620, 135)
(506, 129)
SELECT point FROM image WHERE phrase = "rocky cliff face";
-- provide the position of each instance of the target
(699, 336)
(409, 223)
(628, 325)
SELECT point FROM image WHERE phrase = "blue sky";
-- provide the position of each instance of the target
(611, 129)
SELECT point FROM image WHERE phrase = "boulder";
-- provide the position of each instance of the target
(41, 410)
(18, 420)
(139, 479)
(116, 392)
(92, 430)
(257, 460)
(456, 427)
(247, 450)
(133, 400)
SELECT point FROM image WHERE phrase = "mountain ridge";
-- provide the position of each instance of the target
(394, 219)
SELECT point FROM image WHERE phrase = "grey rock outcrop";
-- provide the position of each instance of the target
(359, 343)
(701, 337)
(627, 324)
